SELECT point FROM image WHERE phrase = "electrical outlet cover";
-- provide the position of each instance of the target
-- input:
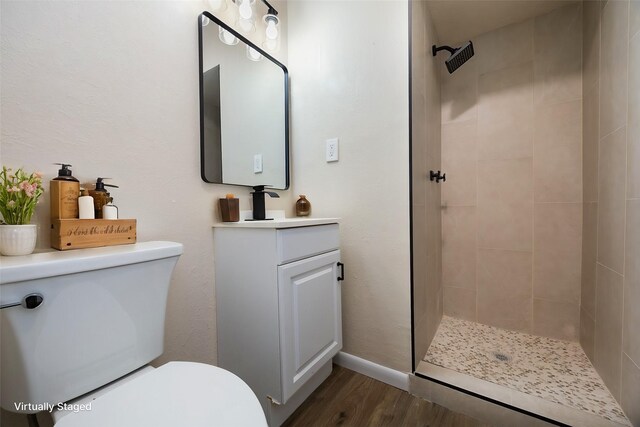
(257, 163)
(333, 148)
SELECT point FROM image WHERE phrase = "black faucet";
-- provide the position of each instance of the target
(258, 193)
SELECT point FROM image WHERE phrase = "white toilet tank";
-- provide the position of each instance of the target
(101, 316)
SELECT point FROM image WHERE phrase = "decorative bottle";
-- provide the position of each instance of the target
(303, 206)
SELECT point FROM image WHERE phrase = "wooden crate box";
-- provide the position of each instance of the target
(91, 233)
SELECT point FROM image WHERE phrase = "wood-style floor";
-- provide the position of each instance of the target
(347, 398)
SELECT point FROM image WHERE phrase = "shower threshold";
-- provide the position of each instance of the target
(545, 376)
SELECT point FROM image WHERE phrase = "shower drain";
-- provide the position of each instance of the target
(501, 357)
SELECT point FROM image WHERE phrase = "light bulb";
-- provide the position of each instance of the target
(217, 5)
(272, 33)
(271, 45)
(245, 9)
(246, 25)
(204, 20)
(226, 37)
(272, 30)
(253, 54)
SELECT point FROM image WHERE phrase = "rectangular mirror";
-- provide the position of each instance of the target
(244, 109)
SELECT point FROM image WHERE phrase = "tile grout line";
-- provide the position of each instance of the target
(632, 361)
(609, 268)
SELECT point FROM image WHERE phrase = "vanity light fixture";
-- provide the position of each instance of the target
(272, 28)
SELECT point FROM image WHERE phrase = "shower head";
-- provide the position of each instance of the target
(458, 55)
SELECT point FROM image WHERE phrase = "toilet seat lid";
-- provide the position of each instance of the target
(175, 394)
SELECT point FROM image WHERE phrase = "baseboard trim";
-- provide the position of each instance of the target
(378, 372)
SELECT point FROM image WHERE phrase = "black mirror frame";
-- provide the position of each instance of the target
(201, 93)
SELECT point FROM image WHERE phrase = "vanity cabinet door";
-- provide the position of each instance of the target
(310, 318)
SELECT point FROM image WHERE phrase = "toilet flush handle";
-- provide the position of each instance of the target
(29, 302)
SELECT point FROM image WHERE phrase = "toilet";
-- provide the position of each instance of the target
(78, 331)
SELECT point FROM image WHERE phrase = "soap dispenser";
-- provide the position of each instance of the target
(100, 196)
(85, 205)
(65, 190)
(259, 212)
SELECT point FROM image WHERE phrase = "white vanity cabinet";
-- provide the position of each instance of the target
(278, 307)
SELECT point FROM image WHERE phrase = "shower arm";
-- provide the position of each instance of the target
(449, 49)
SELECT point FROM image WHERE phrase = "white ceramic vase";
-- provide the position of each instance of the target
(18, 239)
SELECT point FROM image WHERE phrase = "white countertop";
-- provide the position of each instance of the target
(278, 223)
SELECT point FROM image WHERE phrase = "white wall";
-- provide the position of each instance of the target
(112, 88)
(349, 79)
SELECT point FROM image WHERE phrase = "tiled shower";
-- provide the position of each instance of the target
(539, 135)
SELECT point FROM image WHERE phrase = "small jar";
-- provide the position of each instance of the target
(303, 206)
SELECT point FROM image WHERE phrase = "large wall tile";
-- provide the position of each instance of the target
(459, 163)
(590, 143)
(558, 55)
(460, 303)
(557, 163)
(634, 19)
(633, 128)
(633, 159)
(419, 172)
(589, 253)
(459, 92)
(504, 47)
(613, 66)
(557, 252)
(459, 246)
(590, 44)
(556, 319)
(631, 334)
(506, 226)
(611, 205)
(587, 334)
(420, 273)
(505, 113)
(504, 289)
(505, 181)
(505, 207)
(609, 328)
(630, 392)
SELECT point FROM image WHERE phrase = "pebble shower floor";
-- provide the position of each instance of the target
(554, 370)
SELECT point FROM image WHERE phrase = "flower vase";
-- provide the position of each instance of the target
(18, 239)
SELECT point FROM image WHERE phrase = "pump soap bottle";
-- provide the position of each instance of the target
(85, 204)
(65, 190)
(100, 196)
(109, 211)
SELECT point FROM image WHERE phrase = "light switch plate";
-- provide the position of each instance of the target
(257, 163)
(333, 148)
